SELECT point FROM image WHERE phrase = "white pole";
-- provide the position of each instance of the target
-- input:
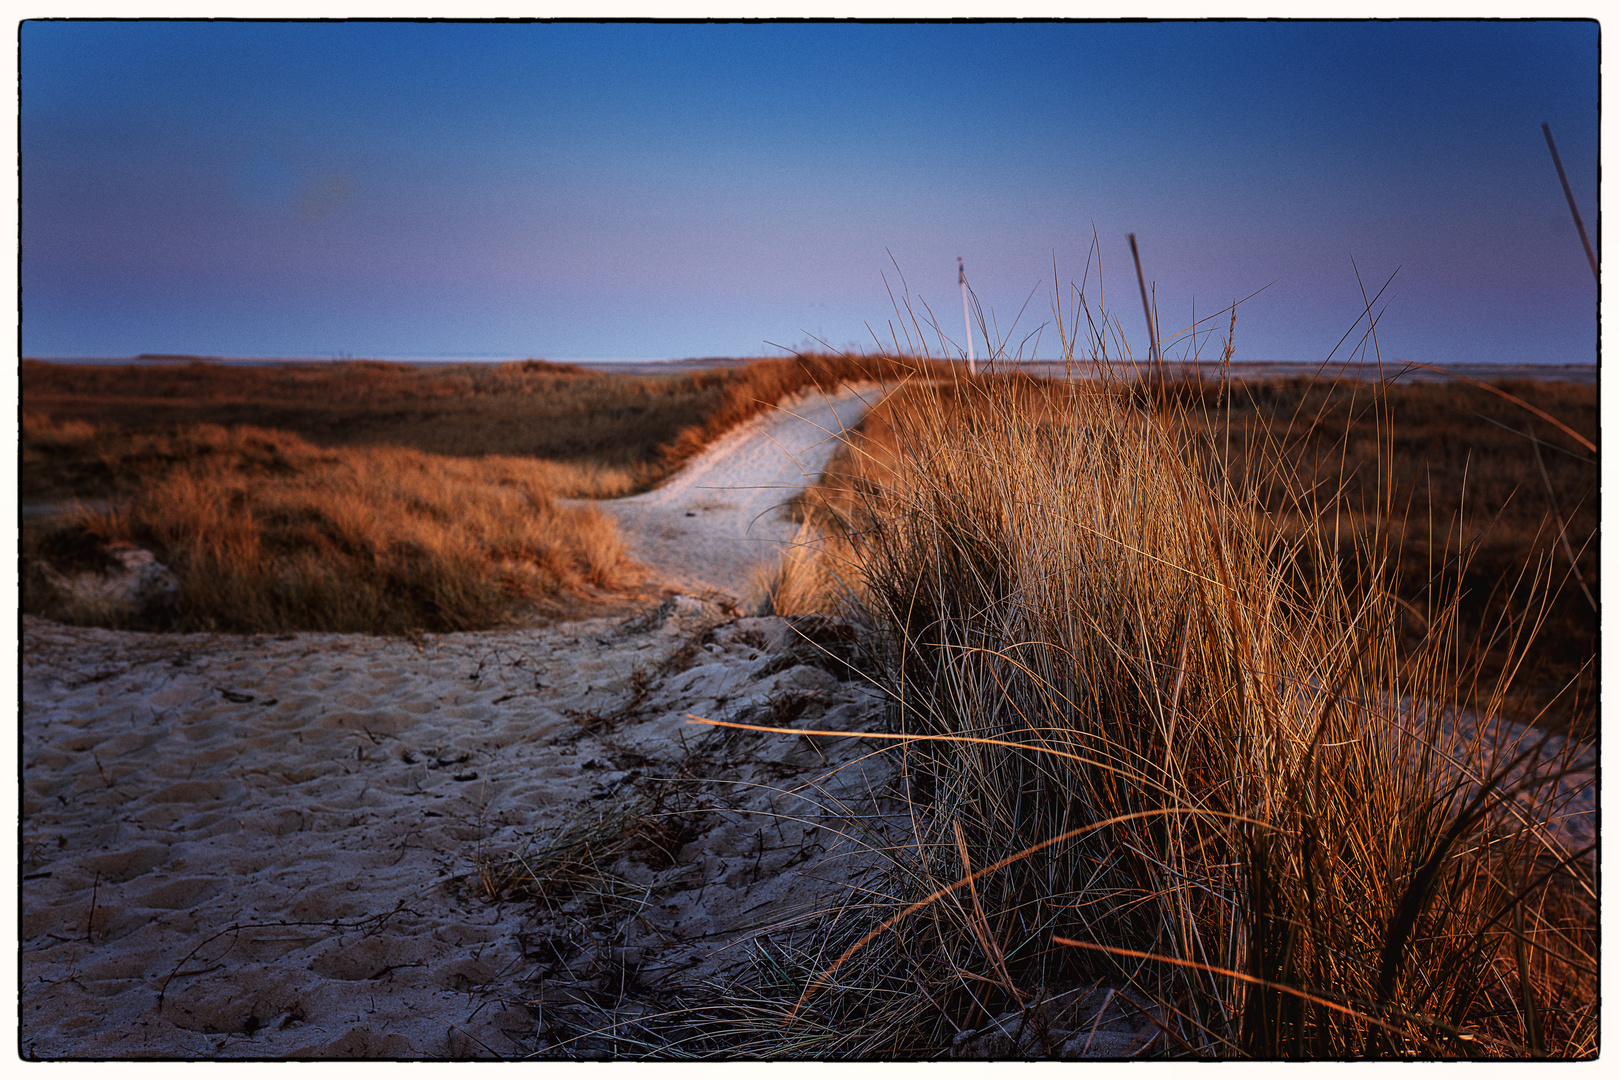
(972, 367)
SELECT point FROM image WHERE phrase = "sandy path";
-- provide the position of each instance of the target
(708, 526)
(269, 847)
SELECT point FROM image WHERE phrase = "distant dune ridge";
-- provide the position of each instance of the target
(1397, 370)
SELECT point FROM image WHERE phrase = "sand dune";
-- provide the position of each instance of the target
(313, 845)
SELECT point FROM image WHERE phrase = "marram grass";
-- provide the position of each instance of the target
(1150, 738)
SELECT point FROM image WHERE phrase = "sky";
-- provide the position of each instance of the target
(657, 191)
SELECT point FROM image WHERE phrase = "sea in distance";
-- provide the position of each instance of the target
(1398, 371)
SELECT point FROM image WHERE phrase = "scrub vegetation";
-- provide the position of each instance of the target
(269, 533)
(624, 432)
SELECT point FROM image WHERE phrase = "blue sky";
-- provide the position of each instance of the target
(654, 190)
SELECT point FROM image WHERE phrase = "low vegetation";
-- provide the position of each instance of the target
(1475, 500)
(574, 862)
(637, 428)
(1203, 690)
(267, 533)
(804, 579)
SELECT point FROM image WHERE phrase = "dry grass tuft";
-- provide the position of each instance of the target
(1166, 738)
(805, 579)
(577, 861)
(269, 533)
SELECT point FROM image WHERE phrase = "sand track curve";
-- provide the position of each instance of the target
(721, 516)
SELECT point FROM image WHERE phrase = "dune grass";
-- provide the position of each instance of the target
(804, 578)
(1462, 489)
(1466, 490)
(1169, 738)
(268, 533)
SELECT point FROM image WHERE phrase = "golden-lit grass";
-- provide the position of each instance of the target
(269, 533)
(1444, 474)
(803, 579)
(76, 459)
(1164, 738)
(1441, 470)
